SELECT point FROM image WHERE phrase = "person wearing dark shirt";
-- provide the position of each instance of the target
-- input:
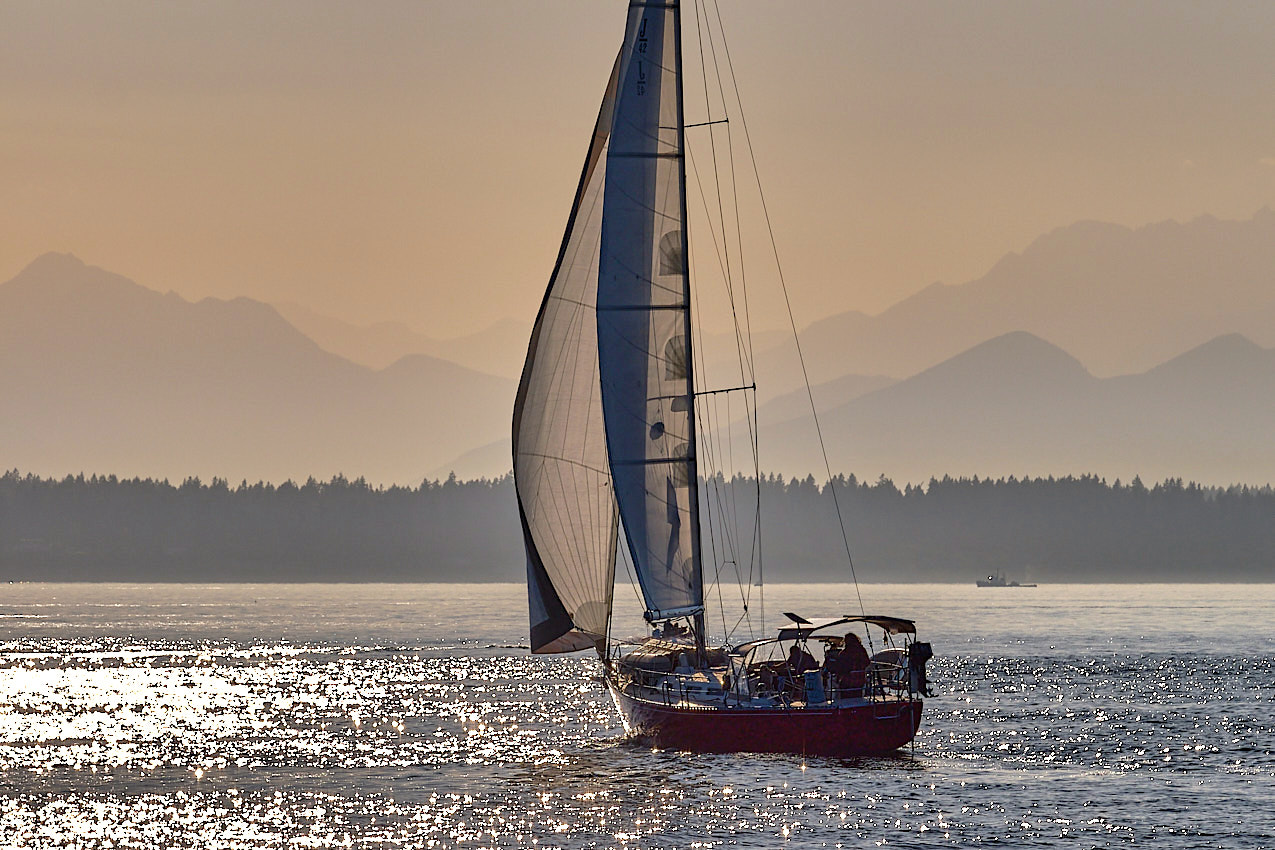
(849, 664)
(799, 660)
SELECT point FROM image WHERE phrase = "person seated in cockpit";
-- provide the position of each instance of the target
(799, 660)
(848, 665)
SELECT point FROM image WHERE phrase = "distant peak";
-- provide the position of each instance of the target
(1015, 351)
(1224, 354)
(1234, 339)
(1233, 343)
(1068, 235)
(54, 262)
(1021, 341)
(66, 275)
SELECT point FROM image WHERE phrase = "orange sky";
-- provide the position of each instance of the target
(416, 160)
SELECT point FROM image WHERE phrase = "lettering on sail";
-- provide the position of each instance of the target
(641, 50)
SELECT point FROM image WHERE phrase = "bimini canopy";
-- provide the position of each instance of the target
(801, 631)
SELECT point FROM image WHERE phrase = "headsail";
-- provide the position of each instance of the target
(643, 324)
(565, 495)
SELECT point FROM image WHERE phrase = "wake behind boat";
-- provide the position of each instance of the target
(606, 445)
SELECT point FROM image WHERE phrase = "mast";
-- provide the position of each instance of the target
(699, 618)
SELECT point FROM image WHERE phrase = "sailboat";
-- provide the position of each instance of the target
(605, 450)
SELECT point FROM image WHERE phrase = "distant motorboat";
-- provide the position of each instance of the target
(999, 580)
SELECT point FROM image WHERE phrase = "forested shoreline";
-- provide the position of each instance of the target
(103, 528)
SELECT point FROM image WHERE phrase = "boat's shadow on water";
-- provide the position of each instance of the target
(621, 754)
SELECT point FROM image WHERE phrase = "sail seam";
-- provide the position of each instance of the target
(645, 155)
(621, 308)
(566, 460)
(653, 461)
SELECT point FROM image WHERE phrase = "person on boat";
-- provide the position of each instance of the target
(849, 664)
(672, 630)
(799, 660)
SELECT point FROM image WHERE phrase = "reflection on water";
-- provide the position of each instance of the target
(126, 721)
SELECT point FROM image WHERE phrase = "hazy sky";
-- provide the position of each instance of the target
(416, 160)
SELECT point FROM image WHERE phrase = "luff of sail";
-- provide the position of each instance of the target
(565, 495)
(643, 318)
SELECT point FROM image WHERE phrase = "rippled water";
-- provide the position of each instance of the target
(386, 716)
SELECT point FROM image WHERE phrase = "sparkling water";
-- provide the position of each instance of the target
(414, 716)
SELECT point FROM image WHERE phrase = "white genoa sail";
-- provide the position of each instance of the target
(565, 495)
(643, 317)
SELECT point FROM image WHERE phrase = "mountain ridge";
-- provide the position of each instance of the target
(1018, 405)
(116, 377)
(1119, 299)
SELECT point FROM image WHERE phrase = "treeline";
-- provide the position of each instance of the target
(102, 528)
(1033, 529)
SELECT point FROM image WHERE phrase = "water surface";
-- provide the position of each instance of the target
(413, 715)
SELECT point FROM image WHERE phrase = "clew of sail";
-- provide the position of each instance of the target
(643, 317)
(565, 495)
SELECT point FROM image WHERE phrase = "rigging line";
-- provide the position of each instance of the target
(726, 389)
(717, 585)
(749, 410)
(725, 495)
(730, 153)
(622, 553)
(744, 612)
(721, 603)
(717, 181)
(717, 249)
(711, 453)
(743, 337)
(712, 488)
(728, 543)
(712, 432)
(746, 343)
(783, 285)
(743, 349)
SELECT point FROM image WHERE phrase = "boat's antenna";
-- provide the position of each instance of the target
(801, 359)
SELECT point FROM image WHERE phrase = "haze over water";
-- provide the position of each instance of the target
(412, 715)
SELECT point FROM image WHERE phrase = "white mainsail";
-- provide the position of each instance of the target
(643, 317)
(565, 495)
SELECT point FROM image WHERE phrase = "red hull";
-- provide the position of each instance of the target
(862, 730)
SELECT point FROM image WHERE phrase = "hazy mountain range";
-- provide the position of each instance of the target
(99, 374)
(1120, 300)
(498, 350)
(1018, 405)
